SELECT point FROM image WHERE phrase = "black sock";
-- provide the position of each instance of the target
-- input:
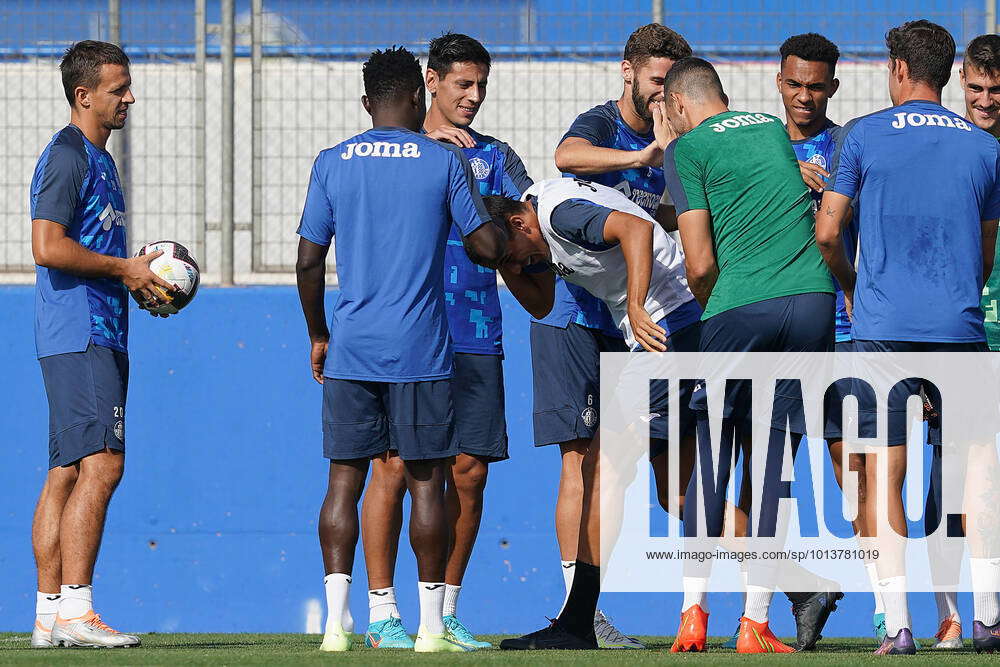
(577, 616)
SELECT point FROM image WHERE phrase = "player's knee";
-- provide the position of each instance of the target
(104, 469)
(470, 475)
(389, 476)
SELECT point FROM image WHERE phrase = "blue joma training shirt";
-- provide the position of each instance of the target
(389, 196)
(818, 149)
(922, 178)
(471, 298)
(76, 185)
(603, 126)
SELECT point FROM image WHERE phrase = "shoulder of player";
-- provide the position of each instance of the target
(69, 144)
(606, 111)
(604, 114)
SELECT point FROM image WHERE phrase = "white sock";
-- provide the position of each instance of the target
(873, 580)
(46, 606)
(338, 588)
(947, 605)
(568, 570)
(695, 593)
(451, 600)
(758, 602)
(897, 613)
(382, 604)
(985, 575)
(75, 600)
(431, 606)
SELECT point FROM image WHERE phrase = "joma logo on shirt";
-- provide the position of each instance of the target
(937, 119)
(741, 120)
(379, 149)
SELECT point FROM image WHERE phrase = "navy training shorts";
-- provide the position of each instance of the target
(86, 392)
(897, 426)
(477, 392)
(362, 419)
(795, 323)
(565, 368)
(833, 402)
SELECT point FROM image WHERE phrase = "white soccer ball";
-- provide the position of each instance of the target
(177, 267)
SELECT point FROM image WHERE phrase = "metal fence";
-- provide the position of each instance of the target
(236, 97)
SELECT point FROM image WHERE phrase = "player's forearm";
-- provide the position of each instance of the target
(311, 280)
(835, 210)
(836, 260)
(65, 254)
(535, 292)
(636, 238)
(585, 159)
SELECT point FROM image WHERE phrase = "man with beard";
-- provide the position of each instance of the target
(611, 144)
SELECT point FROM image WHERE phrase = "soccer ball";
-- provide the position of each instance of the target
(176, 266)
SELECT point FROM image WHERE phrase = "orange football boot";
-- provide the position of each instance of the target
(758, 638)
(691, 634)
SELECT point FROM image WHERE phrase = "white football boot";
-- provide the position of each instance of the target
(89, 630)
(41, 637)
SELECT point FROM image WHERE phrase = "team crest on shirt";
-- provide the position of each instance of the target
(817, 159)
(480, 168)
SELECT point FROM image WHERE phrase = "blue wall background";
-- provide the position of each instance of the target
(214, 526)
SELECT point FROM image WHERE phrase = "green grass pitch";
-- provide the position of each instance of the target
(268, 649)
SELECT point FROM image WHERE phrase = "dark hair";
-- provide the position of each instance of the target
(927, 48)
(812, 47)
(694, 77)
(81, 65)
(453, 47)
(983, 53)
(391, 74)
(502, 208)
(655, 41)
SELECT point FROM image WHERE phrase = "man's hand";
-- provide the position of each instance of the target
(139, 278)
(317, 358)
(647, 333)
(663, 131)
(453, 135)
(849, 304)
(813, 175)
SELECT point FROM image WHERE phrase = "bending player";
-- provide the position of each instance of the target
(748, 247)
(934, 232)
(81, 331)
(458, 68)
(598, 239)
(387, 379)
(611, 144)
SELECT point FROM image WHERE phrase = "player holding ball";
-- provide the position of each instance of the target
(81, 331)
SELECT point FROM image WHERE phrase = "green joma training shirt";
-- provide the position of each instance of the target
(741, 168)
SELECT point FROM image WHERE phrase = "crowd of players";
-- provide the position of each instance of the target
(793, 236)
(590, 258)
